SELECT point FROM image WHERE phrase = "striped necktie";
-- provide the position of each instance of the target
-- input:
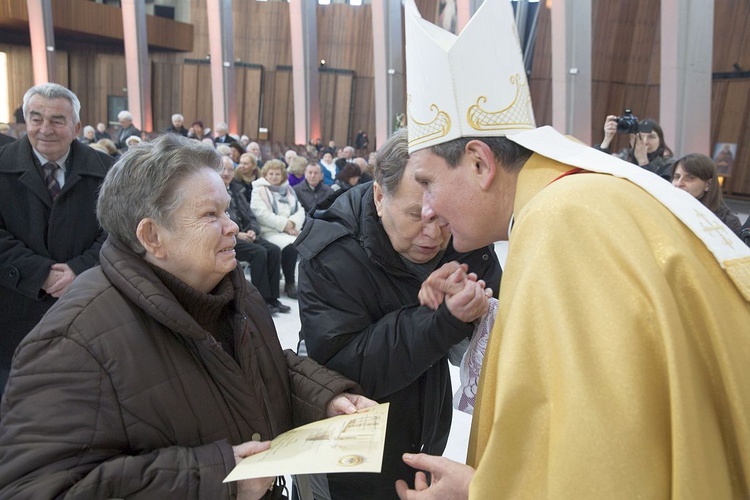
(53, 186)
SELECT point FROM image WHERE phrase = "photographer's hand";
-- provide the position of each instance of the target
(610, 129)
(639, 150)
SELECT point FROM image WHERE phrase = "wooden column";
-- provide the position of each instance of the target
(305, 79)
(42, 40)
(571, 67)
(221, 48)
(387, 44)
(137, 64)
(687, 33)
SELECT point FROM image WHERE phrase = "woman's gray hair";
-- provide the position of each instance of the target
(52, 91)
(390, 162)
(145, 183)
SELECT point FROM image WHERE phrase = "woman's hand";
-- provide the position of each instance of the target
(248, 236)
(639, 150)
(252, 489)
(610, 129)
(346, 404)
(471, 303)
(448, 279)
(449, 479)
(290, 228)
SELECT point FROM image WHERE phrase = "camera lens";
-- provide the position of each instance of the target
(627, 124)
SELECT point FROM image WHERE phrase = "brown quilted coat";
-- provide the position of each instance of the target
(118, 392)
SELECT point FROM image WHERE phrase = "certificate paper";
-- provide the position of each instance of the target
(345, 443)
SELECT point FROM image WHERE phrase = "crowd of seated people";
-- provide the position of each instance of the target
(339, 168)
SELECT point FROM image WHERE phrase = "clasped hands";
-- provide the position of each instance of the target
(59, 278)
(465, 296)
(248, 236)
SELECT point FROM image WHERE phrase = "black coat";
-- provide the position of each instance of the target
(361, 317)
(123, 135)
(35, 233)
(309, 196)
(240, 211)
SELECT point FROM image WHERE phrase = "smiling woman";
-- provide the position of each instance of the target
(160, 369)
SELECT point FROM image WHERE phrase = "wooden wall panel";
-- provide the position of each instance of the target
(189, 104)
(327, 87)
(342, 108)
(282, 122)
(20, 73)
(345, 37)
(249, 100)
(731, 35)
(730, 97)
(197, 101)
(363, 115)
(428, 9)
(166, 93)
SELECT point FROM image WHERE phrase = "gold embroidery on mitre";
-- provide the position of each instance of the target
(516, 115)
(421, 132)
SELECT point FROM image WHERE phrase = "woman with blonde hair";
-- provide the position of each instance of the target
(296, 170)
(280, 216)
(246, 173)
(697, 174)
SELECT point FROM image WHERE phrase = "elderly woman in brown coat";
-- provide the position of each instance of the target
(155, 373)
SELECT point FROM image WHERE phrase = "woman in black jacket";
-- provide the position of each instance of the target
(364, 256)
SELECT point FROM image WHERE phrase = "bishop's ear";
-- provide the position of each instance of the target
(483, 163)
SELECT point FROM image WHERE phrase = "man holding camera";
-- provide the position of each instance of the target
(647, 147)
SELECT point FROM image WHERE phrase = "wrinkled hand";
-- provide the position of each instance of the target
(59, 278)
(449, 479)
(610, 129)
(252, 235)
(471, 303)
(447, 279)
(252, 489)
(465, 296)
(346, 404)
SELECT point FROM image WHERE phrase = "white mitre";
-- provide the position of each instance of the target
(472, 85)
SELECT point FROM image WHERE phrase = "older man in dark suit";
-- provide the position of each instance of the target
(127, 129)
(5, 139)
(48, 229)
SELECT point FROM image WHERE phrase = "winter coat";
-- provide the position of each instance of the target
(36, 233)
(124, 133)
(118, 392)
(273, 216)
(728, 217)
(658, 163)
(309, 196)
(360, 316)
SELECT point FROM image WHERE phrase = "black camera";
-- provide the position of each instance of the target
(627, 123)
